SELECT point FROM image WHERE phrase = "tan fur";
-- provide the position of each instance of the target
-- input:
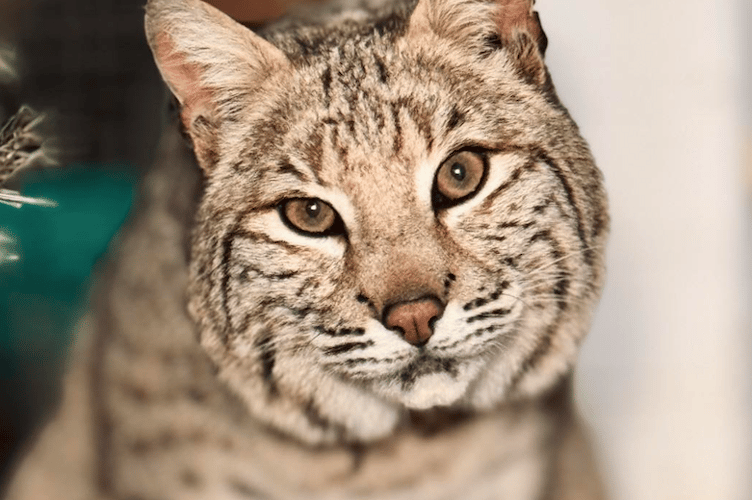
(236, 357)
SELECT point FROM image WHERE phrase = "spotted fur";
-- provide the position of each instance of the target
(282, 380)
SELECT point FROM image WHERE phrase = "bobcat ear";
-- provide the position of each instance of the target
(209, 62)
(484, 26)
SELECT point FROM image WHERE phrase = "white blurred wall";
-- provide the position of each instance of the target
(664, 378)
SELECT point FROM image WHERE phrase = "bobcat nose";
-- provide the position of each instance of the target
(414, 320)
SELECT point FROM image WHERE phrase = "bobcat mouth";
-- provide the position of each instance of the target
(430, 382)
(426, 364)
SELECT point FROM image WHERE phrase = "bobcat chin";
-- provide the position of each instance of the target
(368, 278)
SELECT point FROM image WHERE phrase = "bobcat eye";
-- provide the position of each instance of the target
(459, 177)
(311, 216)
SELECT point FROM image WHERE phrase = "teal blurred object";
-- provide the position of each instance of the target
(42, 292)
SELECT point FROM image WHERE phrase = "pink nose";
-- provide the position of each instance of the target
(414, 320)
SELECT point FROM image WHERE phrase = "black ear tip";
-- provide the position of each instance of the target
(542, 38)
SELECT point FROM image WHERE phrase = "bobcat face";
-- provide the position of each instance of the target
(396, 220)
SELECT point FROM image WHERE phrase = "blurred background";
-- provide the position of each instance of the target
(84, 64)
(663, 93)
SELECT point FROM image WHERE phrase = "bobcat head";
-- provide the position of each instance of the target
(398, 214)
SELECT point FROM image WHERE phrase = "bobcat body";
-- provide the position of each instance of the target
(374, 286)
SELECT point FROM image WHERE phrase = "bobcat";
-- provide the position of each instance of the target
(374, 284)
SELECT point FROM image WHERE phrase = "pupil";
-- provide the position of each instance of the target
(458, 172)
(313, 209)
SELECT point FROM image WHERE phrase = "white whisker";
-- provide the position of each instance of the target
(528, 285)
(570, 254)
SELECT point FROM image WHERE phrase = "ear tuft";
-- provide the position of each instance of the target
(209, 62)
